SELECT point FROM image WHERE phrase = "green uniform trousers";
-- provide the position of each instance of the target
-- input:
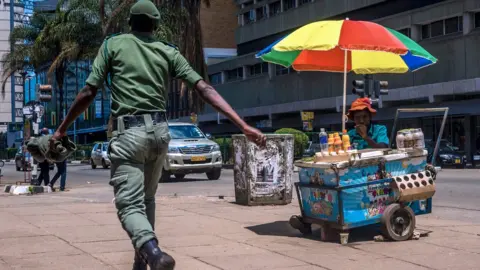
(137, 157)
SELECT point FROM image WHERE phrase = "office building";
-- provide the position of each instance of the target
(272, 97)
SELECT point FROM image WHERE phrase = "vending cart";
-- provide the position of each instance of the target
(386, 186)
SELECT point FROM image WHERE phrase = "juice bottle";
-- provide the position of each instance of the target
(346, 141)
(338, 145)
(331, 146)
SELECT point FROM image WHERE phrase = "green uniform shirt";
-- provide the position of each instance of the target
(140, 69)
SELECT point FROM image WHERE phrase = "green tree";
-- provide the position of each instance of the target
(300, 139)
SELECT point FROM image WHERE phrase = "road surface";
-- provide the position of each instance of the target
(457, 195)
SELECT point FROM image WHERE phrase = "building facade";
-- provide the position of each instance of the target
(11, 102)
(218, 23)
(272, 97)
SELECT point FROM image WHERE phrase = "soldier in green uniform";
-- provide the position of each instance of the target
(140, 67)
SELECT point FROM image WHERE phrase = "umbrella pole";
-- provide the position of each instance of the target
(344, 90)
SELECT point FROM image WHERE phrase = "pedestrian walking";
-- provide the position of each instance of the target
(61, 172)
(44, 166)
(139, 67)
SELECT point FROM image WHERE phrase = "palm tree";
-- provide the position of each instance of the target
(28, 54)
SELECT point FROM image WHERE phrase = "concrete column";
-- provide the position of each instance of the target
(224, 77)
(245, 71)
(271, 70)
(416, 32)
(267, 10)
(297, 2)
(468, 22)
(281, 6)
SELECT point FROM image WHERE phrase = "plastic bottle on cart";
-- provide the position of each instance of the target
(400, 140)
(323, 141)
(419, 139)
(408, 143)
(331, 146)
(338, 143)
(346, 141)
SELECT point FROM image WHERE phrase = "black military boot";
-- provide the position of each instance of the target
(139, 263)
(156, 259)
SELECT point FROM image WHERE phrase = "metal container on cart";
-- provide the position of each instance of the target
(263, 175)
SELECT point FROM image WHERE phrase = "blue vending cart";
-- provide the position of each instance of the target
(383, 186)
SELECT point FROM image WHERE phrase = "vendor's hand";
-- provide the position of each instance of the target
(56, 137)
(362, 131)
(255, 135)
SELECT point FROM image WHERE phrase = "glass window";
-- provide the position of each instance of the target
(249, 17)
(216, 78)
(288, 4)
(105, 147)
(261, 13)
(425, 31)
(436, 29)
(235, 74)
(477, 20)
(275, 8)
(258, 69)
(453, 25)
(405, 31)
(186, 132)
(303, 2)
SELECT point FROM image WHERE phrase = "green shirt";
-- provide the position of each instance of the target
(140, 68)
(378, 133)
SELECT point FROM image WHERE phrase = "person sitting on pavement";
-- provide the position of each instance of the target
(366, 134)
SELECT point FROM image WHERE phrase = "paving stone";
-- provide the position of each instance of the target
(219, 250)
(266, 260)
(53, 261)
(19, 247)
(105, 246)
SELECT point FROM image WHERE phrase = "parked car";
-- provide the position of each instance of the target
(448, 155)
(191, 151)
(99, 155)
(22, 163)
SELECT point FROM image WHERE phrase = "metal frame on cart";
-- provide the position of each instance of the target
(423, 110)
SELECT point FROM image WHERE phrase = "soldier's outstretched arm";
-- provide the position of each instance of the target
(83, 100)
(87, 95)
(182, 70)
(212, 97)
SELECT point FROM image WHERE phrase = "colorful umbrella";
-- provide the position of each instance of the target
(342, 46)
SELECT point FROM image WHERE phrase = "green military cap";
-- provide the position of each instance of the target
(145, 7)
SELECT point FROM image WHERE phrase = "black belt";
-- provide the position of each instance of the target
(130, 121)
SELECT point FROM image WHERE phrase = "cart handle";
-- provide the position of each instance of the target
(423, 110)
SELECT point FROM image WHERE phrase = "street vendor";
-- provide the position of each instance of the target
(366, 135)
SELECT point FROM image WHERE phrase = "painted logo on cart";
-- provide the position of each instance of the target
(375, 199)
(321, 202)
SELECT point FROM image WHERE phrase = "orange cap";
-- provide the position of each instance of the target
(361, 104)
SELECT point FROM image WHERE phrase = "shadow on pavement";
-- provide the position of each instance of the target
(283, 228)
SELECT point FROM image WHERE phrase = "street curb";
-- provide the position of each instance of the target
(24, 189)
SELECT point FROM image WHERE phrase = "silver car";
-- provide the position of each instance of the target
(191, 151)
(99, 155)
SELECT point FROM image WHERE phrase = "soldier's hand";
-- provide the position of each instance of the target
(255, 136)
(56, 137)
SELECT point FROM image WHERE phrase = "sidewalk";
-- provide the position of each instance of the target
(63, 231)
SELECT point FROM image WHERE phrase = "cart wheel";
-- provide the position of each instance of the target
(398, 222)
(297, 223)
